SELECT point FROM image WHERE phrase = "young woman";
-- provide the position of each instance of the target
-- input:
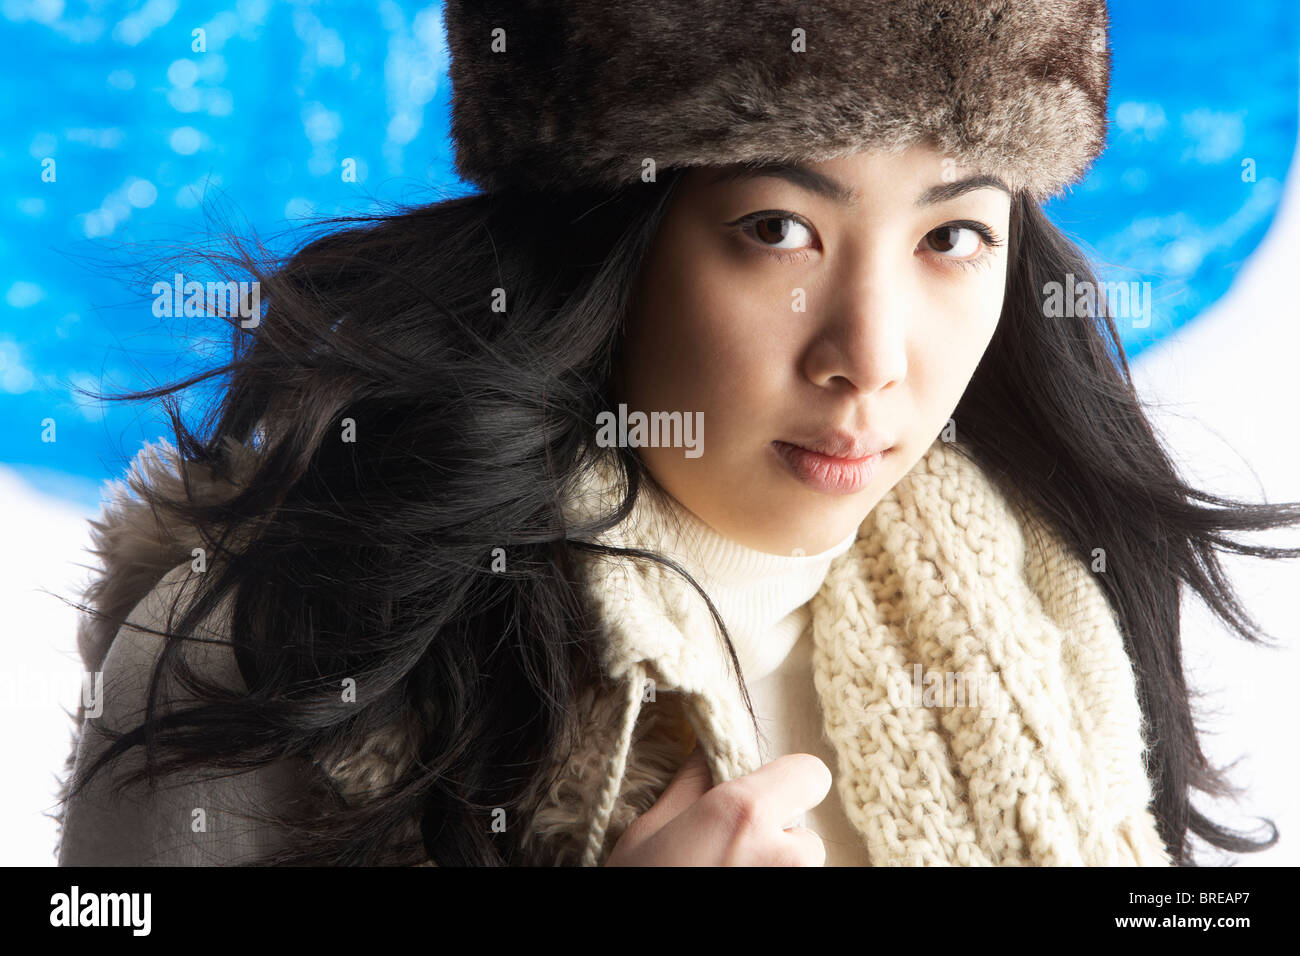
(756, 339)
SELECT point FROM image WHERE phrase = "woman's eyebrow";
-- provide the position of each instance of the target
(833, 189)
(945, 191)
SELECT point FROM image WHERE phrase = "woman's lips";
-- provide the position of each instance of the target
(833, 476)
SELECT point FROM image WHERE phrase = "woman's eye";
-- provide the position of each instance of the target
(956, 241)
(776, 229)
(964, 243)
(780, 234)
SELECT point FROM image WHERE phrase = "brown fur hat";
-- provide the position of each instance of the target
(568, 93)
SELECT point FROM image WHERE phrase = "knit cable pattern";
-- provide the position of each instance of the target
(1046, 766)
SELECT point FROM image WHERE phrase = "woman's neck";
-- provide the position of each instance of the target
(762, 597)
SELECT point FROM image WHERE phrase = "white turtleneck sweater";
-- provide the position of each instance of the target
(763, 598)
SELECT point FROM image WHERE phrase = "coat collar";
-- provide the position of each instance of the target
(658, 638)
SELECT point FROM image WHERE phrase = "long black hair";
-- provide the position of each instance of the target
(472, 343)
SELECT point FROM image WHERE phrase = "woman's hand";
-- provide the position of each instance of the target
(738, 823)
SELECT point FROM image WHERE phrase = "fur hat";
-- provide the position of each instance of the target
(555, 94)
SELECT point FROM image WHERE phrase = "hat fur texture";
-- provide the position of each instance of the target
(553, 95)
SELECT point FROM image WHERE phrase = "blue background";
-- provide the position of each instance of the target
(143, 129)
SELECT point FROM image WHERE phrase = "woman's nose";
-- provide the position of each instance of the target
(863, 341)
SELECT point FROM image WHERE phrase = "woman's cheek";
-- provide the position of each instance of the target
(725, 320)
(947, 338)
(976, 303)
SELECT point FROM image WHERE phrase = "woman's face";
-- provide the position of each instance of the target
(782, 312)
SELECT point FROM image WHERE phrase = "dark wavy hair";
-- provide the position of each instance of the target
(372, 558)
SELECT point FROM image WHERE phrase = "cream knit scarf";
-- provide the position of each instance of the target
(970, 673)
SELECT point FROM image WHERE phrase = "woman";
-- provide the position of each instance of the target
(747, 329)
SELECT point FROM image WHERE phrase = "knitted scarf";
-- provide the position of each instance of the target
(970, 672)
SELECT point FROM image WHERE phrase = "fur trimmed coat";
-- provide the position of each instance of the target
(1049, 768)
